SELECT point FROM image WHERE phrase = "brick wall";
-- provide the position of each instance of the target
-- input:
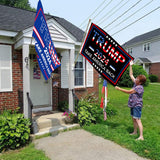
(155, 69)
(55, 89)
(63, 93)
(13, 99)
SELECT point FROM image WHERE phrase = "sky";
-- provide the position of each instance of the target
(110, 15)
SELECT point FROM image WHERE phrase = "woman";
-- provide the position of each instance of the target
(135, 101)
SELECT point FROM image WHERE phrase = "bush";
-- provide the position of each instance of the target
(86, 112)
(14, 130)
(90, 112)
(126, 81)
(63, 106)
(153, 78)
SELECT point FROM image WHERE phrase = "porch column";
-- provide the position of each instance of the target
(71, 79)
(144, 66)
(26, 80)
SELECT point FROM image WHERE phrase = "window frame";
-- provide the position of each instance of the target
(130, 50)
(146, 47)
(83, 61)
(9, 89)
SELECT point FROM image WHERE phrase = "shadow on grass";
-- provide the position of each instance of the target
(119, 126)
(130, 129)
(113, 125)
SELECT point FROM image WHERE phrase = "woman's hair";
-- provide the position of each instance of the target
(142, 79)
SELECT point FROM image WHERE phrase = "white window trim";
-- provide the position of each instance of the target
(147, 47)
(84, 77)
(11, 88)
(130, 50)
(89, 69)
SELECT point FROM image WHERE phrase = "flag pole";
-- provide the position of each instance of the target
(105, 103)
(82, 42)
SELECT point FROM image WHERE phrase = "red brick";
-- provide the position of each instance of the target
(155, 69)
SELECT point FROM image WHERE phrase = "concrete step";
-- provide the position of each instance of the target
(50, 120)
(56, 129)
(42, 108)
(50, 123)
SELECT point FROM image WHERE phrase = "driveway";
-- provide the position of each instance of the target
(82, 145)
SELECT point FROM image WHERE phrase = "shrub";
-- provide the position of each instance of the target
(63, 106)
(90, 112)
(14, 130)
(153, 78)
(126, 81)
(86, 113)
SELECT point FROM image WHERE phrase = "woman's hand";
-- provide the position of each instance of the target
(117, 88)
(131, 63)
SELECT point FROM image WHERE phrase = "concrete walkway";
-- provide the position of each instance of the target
(82, 145)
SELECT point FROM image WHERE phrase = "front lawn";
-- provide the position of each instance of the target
(118, 127)
(27, 153)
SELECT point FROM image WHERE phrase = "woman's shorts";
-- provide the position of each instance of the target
(136, 112)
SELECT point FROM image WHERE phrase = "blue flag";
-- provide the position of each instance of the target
(46, 53)
(105, 83)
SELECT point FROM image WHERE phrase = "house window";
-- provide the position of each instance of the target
(79, 71)
(129, 50)
(146, 47)
(5, 68)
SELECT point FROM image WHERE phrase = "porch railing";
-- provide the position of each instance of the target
(30, 106)
(76, 100)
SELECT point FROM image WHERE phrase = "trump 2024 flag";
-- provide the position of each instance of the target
(105, 54)
(46, 53)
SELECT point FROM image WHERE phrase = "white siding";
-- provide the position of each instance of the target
(152, 54)
(89, 75)
(65, 69)
(56, 34)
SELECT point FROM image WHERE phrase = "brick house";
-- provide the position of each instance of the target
(145, 49)
(21, 81)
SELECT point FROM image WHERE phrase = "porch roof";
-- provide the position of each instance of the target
(16, 20)
(144, 60)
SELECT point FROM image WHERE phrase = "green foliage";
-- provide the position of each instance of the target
(89, 111)
(24, 4)
(111, 111)
(125, 80)
(153, 78)
(27, 153)
(63, 106)
(14, 130)
(86, 112)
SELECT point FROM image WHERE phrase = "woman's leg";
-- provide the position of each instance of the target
(135, 126)
(140, 126)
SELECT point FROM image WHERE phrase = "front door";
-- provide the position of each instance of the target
(40, 90)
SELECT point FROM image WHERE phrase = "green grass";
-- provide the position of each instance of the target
(27, 153)
(118, 127)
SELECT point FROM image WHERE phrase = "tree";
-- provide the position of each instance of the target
(24, 4)
(126, 81)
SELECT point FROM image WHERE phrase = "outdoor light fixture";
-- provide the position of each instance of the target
(26, 60)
